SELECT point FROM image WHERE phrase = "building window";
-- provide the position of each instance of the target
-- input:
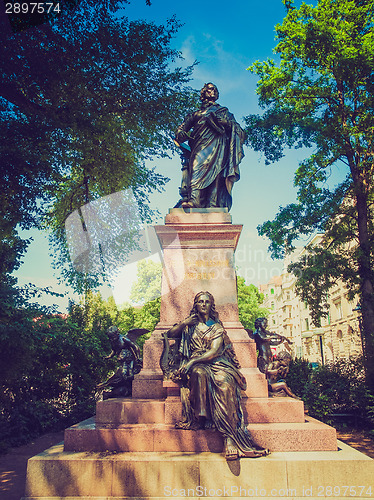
(338, 310)
(272, 291)
(306, 323)
(272, 306)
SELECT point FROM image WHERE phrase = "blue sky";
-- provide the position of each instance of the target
(225, 37)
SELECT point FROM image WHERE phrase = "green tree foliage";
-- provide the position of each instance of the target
(335, 388)
(249, 303)
(146, 290)
(321, 95)
(84, 101)
(148, 284)
(50, 366)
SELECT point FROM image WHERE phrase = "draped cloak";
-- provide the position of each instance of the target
(221, 384)
(216, 146)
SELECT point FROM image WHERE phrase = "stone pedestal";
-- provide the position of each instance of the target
(57, 474)
(132, 449)
(198, 252)
(198, 249)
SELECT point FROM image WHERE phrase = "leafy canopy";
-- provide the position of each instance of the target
(249, 303)
(84, 101)
(148, 284)
(319, 96)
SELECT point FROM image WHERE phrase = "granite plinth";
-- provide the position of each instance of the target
(198, 250)
(55, 475)
(133, 449)
(148, 383)
(310, 435)
(158, 411)
(245, 348)
(198, 247)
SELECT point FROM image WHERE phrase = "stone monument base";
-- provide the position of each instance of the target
(56, 474)
(133, 450)
(310, 435)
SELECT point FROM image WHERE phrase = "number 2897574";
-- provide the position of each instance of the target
(32, 7)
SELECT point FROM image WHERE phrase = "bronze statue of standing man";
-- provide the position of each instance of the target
(215, 141)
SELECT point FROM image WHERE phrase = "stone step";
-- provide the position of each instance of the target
(130, 411)
(310, 435)
(55, 475)
(169, 411)
(149, 384)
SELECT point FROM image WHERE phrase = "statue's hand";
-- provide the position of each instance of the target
(183, 370)
(191, 320)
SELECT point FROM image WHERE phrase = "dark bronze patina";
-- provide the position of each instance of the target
(276, 374)
(264, 340)
(130, 363)
(206, 367)
(210, 161)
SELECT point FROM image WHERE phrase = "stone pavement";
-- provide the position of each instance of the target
(359, 440)
(13, 464)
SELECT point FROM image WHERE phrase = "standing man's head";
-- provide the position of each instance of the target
(209, 93)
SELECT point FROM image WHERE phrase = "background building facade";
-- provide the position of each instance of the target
(339, 334)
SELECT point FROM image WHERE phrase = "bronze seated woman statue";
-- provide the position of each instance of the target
(208, 371)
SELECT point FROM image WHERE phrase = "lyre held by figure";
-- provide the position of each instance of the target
(264, 341)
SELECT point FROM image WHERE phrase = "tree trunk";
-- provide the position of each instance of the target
(367, 296)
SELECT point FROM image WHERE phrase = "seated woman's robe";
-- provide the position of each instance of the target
(214, 386)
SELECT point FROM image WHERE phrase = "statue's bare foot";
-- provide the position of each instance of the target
(231, 450)
(254, 453)
(187, 204)
(294, 396)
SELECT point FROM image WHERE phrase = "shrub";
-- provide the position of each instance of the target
(335, 388)
(50, 364)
